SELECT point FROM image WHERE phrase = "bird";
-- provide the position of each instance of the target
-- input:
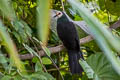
(68, 35)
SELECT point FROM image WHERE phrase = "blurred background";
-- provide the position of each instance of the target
(31, 50)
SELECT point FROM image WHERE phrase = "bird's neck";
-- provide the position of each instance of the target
(63, 19)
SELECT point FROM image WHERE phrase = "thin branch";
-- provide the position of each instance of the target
(115, 25)
(62, 5)
(39, 56)
(56, 69)
(61, 47)
(54, 49)
(54, 65)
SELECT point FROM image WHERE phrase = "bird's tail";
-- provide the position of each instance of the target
(74, 65)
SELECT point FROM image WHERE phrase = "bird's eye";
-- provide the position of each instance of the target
(59, 13)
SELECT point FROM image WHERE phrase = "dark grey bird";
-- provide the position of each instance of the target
(68, 35)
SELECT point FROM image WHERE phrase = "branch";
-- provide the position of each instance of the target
(61, 47)
(54, 49)
(115, 25)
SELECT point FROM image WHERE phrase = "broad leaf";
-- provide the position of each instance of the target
(106, 40)
(38, 66)
(101, 67)
(87, 69)
(46, 61)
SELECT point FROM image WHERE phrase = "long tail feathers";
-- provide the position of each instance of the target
(74, 57)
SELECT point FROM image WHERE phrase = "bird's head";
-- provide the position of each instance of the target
(58, 14)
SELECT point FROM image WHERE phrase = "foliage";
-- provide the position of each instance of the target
(43, 19)
(113, 9)
(99, 68)
(101, 34)
(24, 28)
(102, 70)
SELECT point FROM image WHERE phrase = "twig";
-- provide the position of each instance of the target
(62, 5)
(54, 49)
(53, 63)
(56, 69)
(115, 25)
(61, 47)
(39, 56)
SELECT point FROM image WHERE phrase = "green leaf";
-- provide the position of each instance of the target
(11, 49)
(103, 37)
(46, 61)
(15, 5)
(7, 10)
(102, 4)
(27, 29)
(38, 77)
(35, 59)
(1, 75)
(31, 51)
(38, 66)
(87, 69)
(3, 61)
(41, 76)
(22, 30)
(2, 58)
(49, 77)
(113, 6)
(47, 51)
(6, 77)
(101, 67)
(17, 36)
(36, 39)
(17, 77)
(43, 19)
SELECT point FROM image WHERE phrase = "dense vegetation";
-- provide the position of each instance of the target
(27, 43)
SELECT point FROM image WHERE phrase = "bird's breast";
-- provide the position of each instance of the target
(68, 34)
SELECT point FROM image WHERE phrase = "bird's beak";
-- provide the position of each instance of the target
(56, 15)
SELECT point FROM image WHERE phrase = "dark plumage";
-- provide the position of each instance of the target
(68, 35)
